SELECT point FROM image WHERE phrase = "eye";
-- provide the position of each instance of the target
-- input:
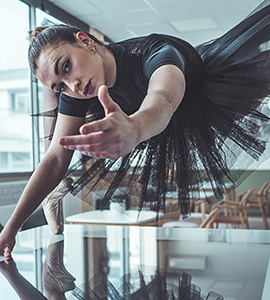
(62, 87)
(67, 66)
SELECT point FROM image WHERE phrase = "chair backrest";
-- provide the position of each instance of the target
(266, 190)
(215, 211)
(260, 192)
(208, 222)
(240, 196)
(265, 186)
(245, 197)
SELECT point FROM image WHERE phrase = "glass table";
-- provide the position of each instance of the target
(232, 263)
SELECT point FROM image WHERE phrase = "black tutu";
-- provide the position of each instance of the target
(135, 286)
(216, 133)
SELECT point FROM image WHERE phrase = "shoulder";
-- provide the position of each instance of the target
(158, 51)
(146, 46)
(139, 45)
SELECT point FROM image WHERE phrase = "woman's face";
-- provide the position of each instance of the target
(74, 70)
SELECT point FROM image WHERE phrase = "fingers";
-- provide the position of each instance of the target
(107, 102)
(80, 139)
(7, 251)
(87, 139)
(103, 155)
(95, 126)
(99, 138)
(72, 140)
(101, 150)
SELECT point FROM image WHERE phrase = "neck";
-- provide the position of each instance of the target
(109, 65)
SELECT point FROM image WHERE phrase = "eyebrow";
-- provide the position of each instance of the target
(56, 70)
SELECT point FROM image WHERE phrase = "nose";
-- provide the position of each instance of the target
(73, 85)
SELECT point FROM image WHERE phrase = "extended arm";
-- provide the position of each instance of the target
(47, 175)
(117, 134)
(50, 103)
(24, 289)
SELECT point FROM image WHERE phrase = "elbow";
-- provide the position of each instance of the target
(174, 98)
(179, 95)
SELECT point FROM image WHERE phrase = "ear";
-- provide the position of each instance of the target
(83, 37)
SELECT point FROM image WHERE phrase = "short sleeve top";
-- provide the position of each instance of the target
(136, 60)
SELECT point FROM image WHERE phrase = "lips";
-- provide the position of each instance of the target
(88, 89)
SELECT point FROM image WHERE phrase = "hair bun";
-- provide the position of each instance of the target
(36, 31)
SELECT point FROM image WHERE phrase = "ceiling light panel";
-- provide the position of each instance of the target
(194, 24)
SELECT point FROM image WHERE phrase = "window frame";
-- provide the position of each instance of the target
(65, 17)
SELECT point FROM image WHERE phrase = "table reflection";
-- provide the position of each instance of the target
(112, 262)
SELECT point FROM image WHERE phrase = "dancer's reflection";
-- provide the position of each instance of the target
(56, 279)
(132, 286)
(23, 288)
(136, 286)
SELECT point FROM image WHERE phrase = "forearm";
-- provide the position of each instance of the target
(153, 116)
(23, 288)
(165, 92)
(51, 101)
(47, 175)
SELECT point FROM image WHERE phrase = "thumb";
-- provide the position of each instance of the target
(107, 102)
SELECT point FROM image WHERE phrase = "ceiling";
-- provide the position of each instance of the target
(196, 21)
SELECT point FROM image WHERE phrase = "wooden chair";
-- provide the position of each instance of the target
(266, 193)
(237, 213)
(258, 199)
(213, 215)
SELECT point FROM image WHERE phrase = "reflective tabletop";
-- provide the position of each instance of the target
(87, 261)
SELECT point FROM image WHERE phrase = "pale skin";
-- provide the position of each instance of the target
(52, 101)
(111, 137)
(24, 289)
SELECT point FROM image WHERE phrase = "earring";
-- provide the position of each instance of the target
(94, 50)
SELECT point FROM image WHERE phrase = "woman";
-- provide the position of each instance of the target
(172, 113)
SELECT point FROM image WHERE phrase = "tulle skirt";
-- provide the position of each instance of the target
(135, 286)
(215, 135)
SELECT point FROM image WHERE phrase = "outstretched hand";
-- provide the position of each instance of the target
(6, 245)
(111, 137)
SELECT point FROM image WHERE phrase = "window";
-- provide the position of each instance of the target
(19, 99)
(21, 136)
(15, 126)
(20, 102)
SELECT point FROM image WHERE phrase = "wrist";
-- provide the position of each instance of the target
(9, 231)
(139, 132)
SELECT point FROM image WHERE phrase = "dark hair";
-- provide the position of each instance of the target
(55, 35)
